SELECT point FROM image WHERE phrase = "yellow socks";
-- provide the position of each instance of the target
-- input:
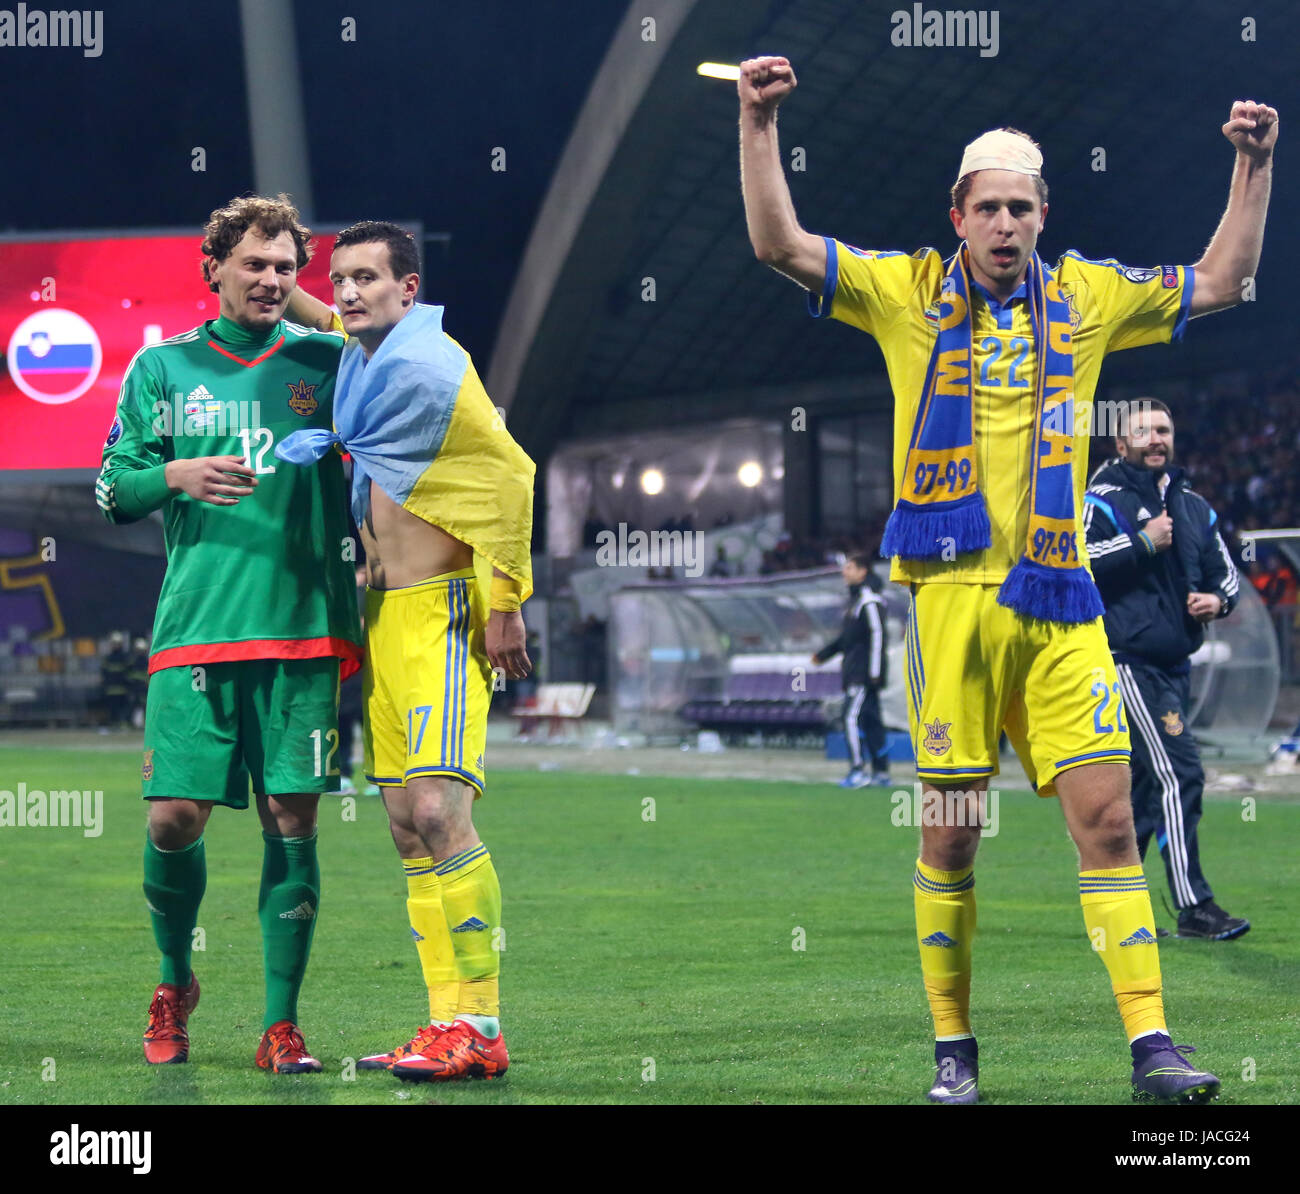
(471, 904)
(433, 939)
(1116, 910)
(945, 926)
(1121, 926)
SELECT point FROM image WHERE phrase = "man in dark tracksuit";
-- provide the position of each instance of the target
(114, 690)
(863, 672)
(137, 679)
(1163, 571)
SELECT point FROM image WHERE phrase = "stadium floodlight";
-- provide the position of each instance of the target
(616, 479)
(652, 481)
(718, 70)
(750, 474)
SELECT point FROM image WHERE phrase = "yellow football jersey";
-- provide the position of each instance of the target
(895, 298)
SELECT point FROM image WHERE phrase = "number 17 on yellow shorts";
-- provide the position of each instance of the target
(427, 683)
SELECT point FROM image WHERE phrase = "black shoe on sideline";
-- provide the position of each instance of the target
(1209, 922)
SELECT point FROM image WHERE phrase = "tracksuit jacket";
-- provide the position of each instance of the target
(1151, 636)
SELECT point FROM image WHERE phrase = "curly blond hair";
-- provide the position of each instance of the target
(227, 225)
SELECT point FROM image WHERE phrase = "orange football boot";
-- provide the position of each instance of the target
(421, 1041)
(283, 1051)
(460, 1052)
(166, 1042)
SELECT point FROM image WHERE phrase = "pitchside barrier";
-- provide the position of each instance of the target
(735, 657)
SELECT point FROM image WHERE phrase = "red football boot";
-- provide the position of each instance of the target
(460, 1052)
(166, 1042)
(283, 1051)
(424, 1039)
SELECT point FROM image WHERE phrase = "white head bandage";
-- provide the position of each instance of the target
(999, 150)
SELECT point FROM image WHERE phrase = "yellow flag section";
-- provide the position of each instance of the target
(479, 487)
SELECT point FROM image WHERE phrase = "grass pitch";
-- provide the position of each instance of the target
(652, 952)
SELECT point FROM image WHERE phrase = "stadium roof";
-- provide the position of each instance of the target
(648, 189)
(403, 122)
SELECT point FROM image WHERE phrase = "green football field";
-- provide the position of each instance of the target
(651, 928)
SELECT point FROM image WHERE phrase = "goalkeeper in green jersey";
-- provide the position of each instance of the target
(257, 617)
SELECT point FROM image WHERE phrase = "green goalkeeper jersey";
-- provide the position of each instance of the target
(272, 577)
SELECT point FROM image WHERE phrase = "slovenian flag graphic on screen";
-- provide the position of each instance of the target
(54, 356)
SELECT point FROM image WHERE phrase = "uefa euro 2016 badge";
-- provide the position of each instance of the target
(146, 772)
(302, 398)
(937, 741)
(1173, 724)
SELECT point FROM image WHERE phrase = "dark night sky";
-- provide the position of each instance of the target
(402, 124)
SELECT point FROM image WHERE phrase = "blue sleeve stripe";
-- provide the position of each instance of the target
(1092, 499)
(819, 305)
(1185, 308)
(1119, 522)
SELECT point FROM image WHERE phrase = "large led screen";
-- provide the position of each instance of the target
(73, 312)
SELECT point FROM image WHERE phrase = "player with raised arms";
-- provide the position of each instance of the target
(257, 614)
(990, 355)
(444, 499)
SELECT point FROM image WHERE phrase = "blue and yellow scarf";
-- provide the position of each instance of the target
(942, 512)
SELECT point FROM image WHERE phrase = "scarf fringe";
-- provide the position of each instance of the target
(941, 530)
(1051, 594)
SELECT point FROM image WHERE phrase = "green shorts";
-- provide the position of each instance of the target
(210, 728)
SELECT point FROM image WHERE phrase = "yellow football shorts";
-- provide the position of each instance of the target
(427, 682)
(976, 668)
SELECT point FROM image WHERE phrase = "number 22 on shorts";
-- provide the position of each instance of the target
(1105, 691)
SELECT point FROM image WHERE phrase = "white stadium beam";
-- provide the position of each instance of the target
(276, 119)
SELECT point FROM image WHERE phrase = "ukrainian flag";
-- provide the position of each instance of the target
(416, 419)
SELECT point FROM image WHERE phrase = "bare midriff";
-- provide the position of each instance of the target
(402, 549)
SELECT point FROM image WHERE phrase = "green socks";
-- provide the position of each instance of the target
(286, 908)
(174, 881)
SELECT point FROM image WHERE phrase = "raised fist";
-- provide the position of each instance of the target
(1251, 127)
(764, 83)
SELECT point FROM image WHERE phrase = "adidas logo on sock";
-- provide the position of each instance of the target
(473, 925)
(1143, 936)
(416, 935)
(941, 940)
(304, 911)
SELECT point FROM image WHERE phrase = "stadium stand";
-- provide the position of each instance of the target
(758, 697)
